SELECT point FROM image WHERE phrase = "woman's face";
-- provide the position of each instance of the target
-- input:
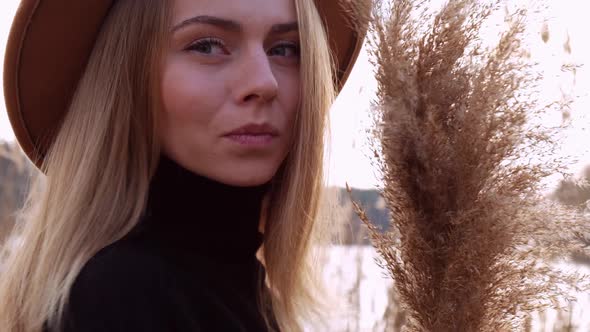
(230, 88)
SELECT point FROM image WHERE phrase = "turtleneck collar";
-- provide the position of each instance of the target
(200, 216)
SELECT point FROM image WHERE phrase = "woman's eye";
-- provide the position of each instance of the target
(207, 46)
(285, 49)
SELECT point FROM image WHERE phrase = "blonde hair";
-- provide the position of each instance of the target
(99, 167)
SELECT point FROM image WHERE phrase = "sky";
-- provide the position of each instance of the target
(348, 149)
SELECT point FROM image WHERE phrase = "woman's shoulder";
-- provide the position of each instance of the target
(124, 264)
(123, 287)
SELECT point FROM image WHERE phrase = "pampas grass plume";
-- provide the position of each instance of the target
(471, 239)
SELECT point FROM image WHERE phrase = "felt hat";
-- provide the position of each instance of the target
(51, 40)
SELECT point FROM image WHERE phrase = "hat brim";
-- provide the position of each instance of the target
(47, 34)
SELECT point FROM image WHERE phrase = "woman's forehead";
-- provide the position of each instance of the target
(245, 13)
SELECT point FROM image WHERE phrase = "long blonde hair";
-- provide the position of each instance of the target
(98, 169)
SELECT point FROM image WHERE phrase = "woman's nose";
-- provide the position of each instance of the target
(256, 81)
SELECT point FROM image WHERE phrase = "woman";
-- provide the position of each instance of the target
(182, 117)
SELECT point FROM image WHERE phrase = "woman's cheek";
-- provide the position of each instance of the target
(185, 93)
(293, 99)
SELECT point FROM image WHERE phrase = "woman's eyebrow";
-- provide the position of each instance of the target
(232, 25)
(284, 28)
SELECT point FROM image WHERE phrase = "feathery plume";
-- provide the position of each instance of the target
(462, 158)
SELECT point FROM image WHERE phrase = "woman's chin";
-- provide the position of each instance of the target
(234, 172)
(244, 175)
(247, 180)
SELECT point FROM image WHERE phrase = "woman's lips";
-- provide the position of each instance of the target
(252, 140)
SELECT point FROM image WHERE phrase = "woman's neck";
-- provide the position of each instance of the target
(192, 212)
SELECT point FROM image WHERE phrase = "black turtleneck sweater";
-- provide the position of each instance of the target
(189, 265)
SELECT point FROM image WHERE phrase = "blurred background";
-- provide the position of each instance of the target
(558, 41)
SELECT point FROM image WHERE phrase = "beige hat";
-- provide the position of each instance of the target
(41, 72)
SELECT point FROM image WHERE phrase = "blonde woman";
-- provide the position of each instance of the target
(161, 127)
